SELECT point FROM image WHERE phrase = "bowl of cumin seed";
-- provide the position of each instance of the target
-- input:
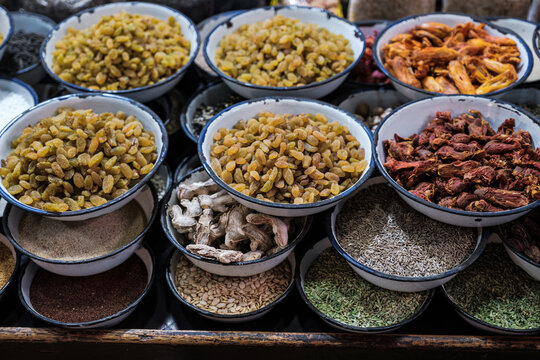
(396, 248)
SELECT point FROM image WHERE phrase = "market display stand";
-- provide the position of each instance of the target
(162, 327)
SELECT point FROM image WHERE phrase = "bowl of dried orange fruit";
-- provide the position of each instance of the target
(434, 54)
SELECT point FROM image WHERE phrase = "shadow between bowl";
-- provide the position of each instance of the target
(394, 282)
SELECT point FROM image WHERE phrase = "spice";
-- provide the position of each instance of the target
(339, 293)
(11, 105)
(462, 163)
(22, 51)
(220, 228)
(7, 264)
(523, 234)
(294, 159)
(204, 113)
(81, 240)
(1, 38)
(497, 291)
(78, 159)
(373, 116)
(88, 298)
(380, 231)
(532, 108)
(230, 295)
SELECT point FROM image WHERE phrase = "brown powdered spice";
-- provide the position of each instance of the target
(80, 240)
(82, 299)
(7, 265)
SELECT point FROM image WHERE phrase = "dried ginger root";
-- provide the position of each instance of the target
(220, 228)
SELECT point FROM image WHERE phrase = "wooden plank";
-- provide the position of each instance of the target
(267, 339)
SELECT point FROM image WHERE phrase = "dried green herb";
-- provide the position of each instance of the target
(378, 229)
(498, 292)
(338, 292)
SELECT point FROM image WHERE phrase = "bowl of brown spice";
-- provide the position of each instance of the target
(229, 299)
(398, 249)
(86, 247)
(287, 156)
(136, 49)
(9, 262)
(80, 156)
(97, 301)
(223, 237)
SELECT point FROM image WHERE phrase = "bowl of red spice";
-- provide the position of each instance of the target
(522, 243)
(97, 301)
(462, 160)
(82, 248)
(9, 262)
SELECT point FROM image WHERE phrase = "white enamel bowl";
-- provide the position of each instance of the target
(310, 256)
(526, 29)
(313, 15)
(204, 28)
(29, 271)
(480, 324)
(413, 117)
(21, 88)
(277, 105)
(404, 25)
(175, 257)
(536, 42)
(394, 282)
(211, 95)
(99, 103)
(31, 23)
(6, 28)
(4, 241)
(527, 264)
(146, 199)
(244, 268)
(87, 18)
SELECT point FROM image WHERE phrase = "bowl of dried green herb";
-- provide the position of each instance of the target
(495, 295)
(97, 301)
(9, 262)
(346, 301)
(395, 248)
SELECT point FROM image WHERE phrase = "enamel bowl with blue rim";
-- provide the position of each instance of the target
(404, 25)
(87, 18)
(413, 117)
(243, 268)
(323, 18)
(149, 204)
(279, 105)
(99, 103)
(29, 271)
(395, 282)
(6, 29)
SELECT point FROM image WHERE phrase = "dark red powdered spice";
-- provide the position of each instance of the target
(88, 298)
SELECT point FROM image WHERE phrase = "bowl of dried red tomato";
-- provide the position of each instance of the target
(466, 161)
(432, 54)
